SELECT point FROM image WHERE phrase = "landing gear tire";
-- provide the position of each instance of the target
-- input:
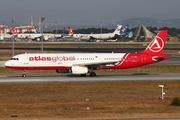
(92, 74)
(23, 75)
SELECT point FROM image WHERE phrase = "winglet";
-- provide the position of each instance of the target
(157, 44)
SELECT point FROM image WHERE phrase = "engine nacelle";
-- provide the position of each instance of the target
(1, 38)
(46, 37)
(38, 39)
(79, 70)
(62, 71)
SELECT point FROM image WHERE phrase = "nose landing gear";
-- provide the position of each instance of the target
(24, 74)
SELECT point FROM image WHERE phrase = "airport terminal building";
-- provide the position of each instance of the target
(21, 29)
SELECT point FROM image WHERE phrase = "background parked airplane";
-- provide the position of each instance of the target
(103, 36)
(27, 36)
(35, 36)
(84, 63)
(58, 36)
(78, 36)
(6, 36)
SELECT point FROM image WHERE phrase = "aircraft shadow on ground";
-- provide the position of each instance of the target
(74, 75)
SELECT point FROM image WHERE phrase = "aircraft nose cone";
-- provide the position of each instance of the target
(7, 63)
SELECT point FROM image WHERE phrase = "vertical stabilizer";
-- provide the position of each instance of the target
(157, 44)
(70, 30)
(14, 30)
(117, 30)
(123, 31)
(37, 30)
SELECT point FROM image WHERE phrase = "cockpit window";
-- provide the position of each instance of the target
(14, 58)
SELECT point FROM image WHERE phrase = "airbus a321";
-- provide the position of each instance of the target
(87, 63)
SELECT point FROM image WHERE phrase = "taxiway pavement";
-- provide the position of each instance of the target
(98, 78)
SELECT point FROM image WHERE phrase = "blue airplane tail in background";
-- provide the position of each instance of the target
(123, 31)
(63, 32)
(130, 34)
(37, 30)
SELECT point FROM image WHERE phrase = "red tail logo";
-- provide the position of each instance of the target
(70, 30)
(157, 44)
(14, 30)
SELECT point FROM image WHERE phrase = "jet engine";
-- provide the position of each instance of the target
(1, 38)
(79, 70)
(38, 39)
(45, 37)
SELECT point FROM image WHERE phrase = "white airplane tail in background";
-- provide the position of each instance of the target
(117, 30)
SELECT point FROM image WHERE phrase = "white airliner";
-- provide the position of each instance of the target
(84, 63)
(103, 36)
(4, 36)
(35, 36)
(108, 36)
(57, 36)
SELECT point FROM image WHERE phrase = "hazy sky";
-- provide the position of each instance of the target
(86, 11)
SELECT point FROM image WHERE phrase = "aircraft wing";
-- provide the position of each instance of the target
(98, 64)
(91, 37)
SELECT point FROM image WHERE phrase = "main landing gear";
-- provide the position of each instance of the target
(24, 74)
(92, 74)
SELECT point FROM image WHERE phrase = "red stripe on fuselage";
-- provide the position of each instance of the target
(39, 67)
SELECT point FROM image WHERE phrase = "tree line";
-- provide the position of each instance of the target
(173, 32)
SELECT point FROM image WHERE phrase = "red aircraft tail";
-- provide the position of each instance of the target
(157, 44)
(70, 30)
(14, 30)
